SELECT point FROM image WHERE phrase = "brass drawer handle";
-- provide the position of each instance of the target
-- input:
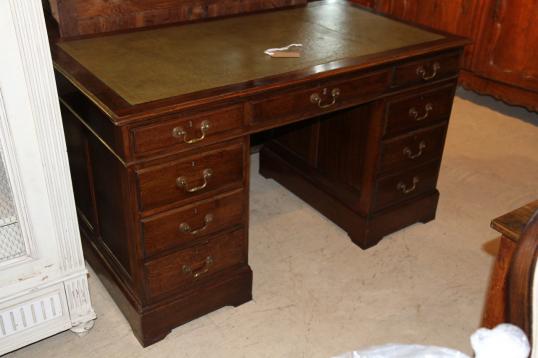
(413, 112)
(181, 182)
(188, 269)
(409, 154)
(404, 189)
(186, 228)
(179, 132)
(421, 71)
(316, 98)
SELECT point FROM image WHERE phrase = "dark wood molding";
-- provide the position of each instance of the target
(508, 93)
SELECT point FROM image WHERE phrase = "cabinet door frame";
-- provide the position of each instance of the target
(25, 165)
(53, 269)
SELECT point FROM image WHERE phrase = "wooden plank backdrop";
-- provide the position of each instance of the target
(78, 18)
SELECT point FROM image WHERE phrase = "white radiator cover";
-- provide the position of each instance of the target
(43, 279)
(33, 311)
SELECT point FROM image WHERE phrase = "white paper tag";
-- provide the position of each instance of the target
(283, 51)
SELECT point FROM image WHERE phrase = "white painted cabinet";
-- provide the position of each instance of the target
(43, 279)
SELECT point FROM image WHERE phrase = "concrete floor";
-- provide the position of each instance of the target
(318, 295)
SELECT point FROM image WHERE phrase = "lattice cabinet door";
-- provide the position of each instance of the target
(12, 242)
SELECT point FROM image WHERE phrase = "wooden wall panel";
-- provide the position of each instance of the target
(501, 62)
(87, 17)
(454, 16)
(509, 44)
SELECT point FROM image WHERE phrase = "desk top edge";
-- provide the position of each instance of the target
(121, 112)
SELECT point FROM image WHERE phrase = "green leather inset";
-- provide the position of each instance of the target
(155, 64)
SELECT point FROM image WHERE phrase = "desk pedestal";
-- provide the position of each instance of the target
(364, 230)
(349, 167)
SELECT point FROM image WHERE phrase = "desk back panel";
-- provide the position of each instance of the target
(90, 17)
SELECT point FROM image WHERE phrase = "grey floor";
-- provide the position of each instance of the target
(318, 295)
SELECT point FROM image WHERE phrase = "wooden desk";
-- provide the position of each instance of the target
(158, 122)
(510, 226)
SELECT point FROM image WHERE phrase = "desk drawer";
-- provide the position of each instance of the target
(426, 70)
(180, 226)
(418, 147)
(418, 110)
(195, 263)
(317, 98)
(186, 131)
(192, 177)
(403, 186)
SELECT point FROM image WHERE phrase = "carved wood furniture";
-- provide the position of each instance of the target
(511, 227)
(158, 127)
(501, 62)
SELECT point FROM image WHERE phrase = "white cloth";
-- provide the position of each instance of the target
(404, 351)
(504, 341)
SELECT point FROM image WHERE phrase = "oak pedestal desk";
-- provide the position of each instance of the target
(158, 126)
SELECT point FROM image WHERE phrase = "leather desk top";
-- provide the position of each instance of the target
(155, 64)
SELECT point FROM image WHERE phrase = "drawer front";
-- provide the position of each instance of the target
(187, 131)
(188, 178)
(418, 110)
(318, 98)
(426, 70)
(178, 227)
(195, 263)
(395, 188)
(418, 147)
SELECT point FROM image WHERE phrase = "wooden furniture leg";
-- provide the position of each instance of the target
(494, 310)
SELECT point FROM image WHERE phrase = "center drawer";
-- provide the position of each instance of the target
(178, 227)
(193, 177)
(196, 263)
(317, 98)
